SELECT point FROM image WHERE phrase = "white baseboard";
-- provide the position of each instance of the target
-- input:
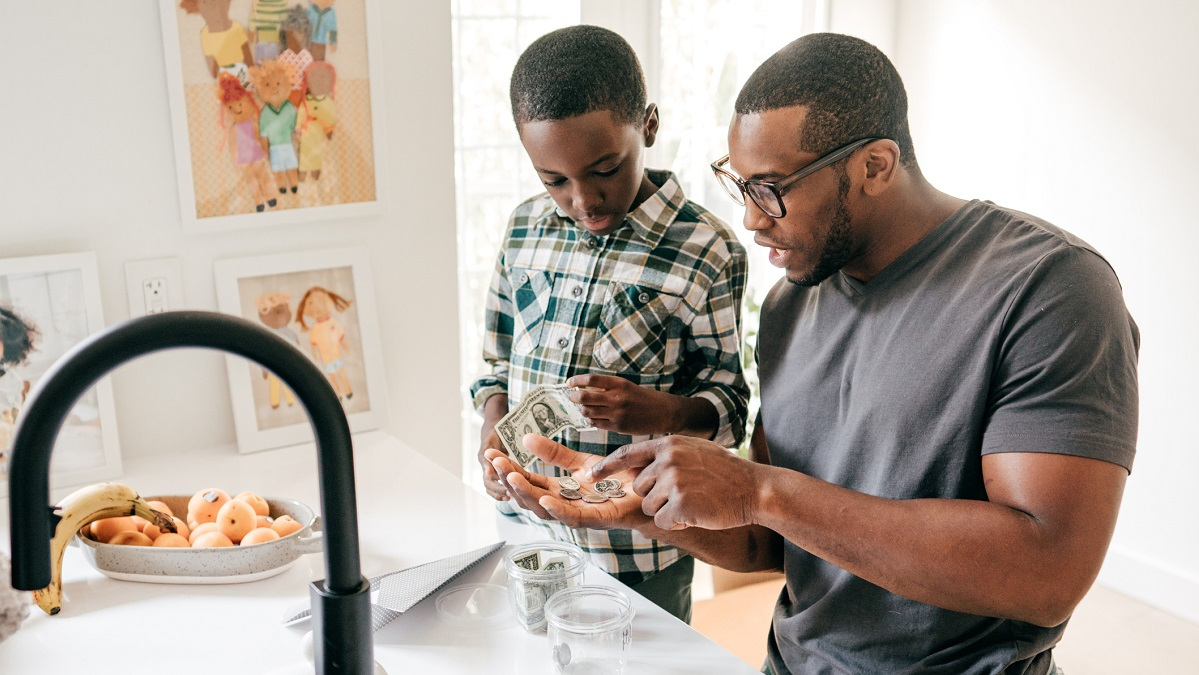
(1149, 581)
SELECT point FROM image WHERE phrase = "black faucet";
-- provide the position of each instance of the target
(341, 612)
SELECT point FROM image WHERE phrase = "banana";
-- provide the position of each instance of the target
(78, 509)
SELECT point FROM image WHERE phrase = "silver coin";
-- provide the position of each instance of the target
(592, 498)
(607, 485)
(570, 493)
(568, 482)
(615, 493)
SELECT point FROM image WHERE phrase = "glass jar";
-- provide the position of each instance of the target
(536, 571)
(590, 630)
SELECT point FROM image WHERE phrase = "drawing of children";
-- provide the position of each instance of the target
(266, 19)
(328, 338)
(17, 340)
(277, 121)
(295, 37)
(242, 136)
(274, 312)
(320, 113)
(323, 18)
(225, 43)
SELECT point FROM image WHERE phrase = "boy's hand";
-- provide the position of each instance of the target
(540, 494)
(491, 480)
(615, 404)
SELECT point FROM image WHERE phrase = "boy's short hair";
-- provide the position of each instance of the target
(576, 70)
(850, 88)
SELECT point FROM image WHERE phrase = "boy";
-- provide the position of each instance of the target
(611, 281)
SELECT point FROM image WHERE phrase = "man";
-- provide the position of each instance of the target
(949, 399)
(546, 419)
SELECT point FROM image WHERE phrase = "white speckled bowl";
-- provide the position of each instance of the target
(228, 565)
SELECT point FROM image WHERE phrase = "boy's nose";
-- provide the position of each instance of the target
(585, 200)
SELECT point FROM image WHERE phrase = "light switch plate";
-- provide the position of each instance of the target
(154, 286)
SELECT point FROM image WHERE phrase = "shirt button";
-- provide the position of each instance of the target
(524, 278)
(562, 342)
(643, 298)
(593, 241)
(576, 291)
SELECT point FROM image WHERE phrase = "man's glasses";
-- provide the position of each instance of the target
(768, 195)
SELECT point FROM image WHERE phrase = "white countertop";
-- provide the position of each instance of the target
(410, 511)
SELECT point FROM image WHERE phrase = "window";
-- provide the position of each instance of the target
(696, 55)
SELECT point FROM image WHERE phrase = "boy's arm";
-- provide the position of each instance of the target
(712, 353)
(497, 338)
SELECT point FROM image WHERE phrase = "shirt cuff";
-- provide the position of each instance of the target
(485, 392)
(726, 435)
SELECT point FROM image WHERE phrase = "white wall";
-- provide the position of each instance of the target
(87, 164)
(1083, 112)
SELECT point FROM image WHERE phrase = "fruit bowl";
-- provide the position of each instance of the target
(227, 565)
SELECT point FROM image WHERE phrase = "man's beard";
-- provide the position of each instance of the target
(837, 246)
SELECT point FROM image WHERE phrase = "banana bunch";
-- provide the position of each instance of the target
(79, 509)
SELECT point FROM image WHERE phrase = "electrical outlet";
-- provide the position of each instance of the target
(154, 286)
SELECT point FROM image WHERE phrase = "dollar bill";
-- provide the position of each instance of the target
(546, 410)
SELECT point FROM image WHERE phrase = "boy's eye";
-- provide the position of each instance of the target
(609, 172)
(554, 183)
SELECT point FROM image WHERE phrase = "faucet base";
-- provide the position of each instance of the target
(342, 629)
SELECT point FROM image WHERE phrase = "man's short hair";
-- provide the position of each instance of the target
(576, 70)
(850, 88)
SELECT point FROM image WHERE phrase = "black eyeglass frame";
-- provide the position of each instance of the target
(780, 187)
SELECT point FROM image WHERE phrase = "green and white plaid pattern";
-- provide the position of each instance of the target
(657, 302)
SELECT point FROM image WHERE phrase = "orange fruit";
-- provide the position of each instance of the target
(235, 519)
(201, 529)
(211, 540)
(160, 507)
(106, 528)
(205, 504)
(130, 538)
(264, 521)
(286, 525)
(171, 540)
(153, 531)
(260, 506)
(259, 535)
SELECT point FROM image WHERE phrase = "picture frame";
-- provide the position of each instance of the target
(328, 299)
(336, 146)
(55, 303)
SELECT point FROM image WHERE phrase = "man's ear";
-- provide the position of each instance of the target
(882, 166)
(650, 131)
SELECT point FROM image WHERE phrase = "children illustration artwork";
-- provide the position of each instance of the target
(18, 338)
(274, 311)
(326, 335)
(316, 312)
(293, 60)
(243, 141)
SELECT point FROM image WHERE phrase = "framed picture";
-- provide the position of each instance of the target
(275, 109)
(323, 303)
(48, 304)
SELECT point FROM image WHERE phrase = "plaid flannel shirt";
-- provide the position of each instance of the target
(657, 302)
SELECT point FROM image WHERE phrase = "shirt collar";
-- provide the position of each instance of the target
(650, 220)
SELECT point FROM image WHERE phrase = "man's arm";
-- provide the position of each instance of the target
(1029, 553)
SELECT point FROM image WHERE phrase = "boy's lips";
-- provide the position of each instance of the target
(596, 222)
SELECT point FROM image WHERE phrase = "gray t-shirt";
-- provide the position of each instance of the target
(997, 332)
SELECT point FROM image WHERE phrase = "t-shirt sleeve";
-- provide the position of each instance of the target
(1065, 379)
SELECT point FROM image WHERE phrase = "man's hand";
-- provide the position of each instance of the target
(540, 494)
(687, 482)
(615, 404)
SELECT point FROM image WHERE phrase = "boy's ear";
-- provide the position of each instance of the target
(650, 130)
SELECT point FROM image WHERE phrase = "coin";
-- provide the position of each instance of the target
(615, 493)
(592, 498)
(607, 485)
(568, 482)
(570, 493)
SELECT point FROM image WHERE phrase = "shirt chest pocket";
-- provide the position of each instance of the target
(533, 290)
(637, 330)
